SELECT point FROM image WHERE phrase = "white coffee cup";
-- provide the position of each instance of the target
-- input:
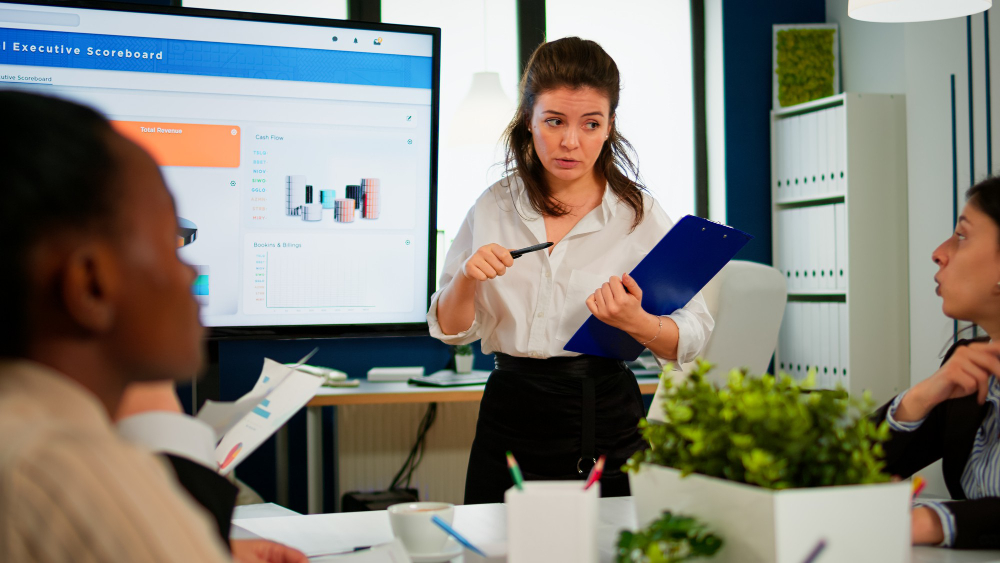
(411, 523)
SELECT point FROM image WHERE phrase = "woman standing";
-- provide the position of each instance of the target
(569, 181)
(953, 414)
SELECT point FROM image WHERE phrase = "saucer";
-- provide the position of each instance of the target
(451, 550)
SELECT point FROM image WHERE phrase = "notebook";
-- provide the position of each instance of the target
(448, 378)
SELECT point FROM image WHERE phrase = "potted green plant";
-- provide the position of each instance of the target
(463, 358)
(670, 539)
(774, 468)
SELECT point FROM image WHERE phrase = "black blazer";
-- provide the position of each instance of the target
(209, 489)
(948, 433)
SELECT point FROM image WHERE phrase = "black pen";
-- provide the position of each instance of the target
(520, 251)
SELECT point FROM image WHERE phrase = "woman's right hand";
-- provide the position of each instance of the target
(965, 373)
(487, 263)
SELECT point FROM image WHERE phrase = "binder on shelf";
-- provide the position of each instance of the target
(826, 332)
(685, 259)
(825, 235)
(833, 132)
(840, 229)
(845, 355)
(815, 236)
(778, 162)
(809, 158)
(794, 157)
(829, 248)
(787, 243)
(821, 158)
(812, 335)
(781, 261)
(784, 337)
(794, 342)
(788, 331)
(809, 236)
(786, 157)
(783, 351)
(793, 257)
(800, 251)
(841, 150)
(820, 340)
(785, 246)
(835, 342)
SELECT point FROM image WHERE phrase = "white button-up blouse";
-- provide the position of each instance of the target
(534, 309)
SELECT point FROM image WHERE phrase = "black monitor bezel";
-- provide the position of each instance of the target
(312, 331)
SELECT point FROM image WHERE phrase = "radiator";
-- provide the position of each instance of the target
(374, 440)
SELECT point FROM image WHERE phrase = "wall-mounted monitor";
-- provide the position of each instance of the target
(301, 152)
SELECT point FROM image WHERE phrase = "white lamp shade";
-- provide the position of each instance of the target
(483, 114)
(914, 10)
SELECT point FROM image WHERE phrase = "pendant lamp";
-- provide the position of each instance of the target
(486, 110)
(483, 114)
(900, 11)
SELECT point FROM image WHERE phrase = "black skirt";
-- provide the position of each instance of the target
(557, 416)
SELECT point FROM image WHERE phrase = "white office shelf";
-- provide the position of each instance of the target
(854, 322)
(814, 105)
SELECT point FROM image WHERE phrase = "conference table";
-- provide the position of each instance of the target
(373, 393)
(483, 524)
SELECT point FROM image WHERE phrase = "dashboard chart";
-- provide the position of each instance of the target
(330, 273)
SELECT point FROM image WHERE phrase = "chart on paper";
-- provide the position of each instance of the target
(328, 273)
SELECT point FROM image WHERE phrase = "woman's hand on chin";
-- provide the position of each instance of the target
(967, 372)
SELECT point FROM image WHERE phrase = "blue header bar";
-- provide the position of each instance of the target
(203, 58)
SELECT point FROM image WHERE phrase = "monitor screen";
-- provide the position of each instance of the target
(301, 152)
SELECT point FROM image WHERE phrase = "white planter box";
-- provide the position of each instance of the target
(463, 363)
(858, 522)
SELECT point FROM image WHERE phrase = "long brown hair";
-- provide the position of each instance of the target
(574, 63)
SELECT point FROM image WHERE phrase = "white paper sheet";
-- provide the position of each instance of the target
(392, 552)
(222, 416)
(323, 533)
(279, 393)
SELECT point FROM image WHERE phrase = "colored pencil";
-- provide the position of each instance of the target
(595, 473)
(815, 552)
(515, 472)
(458, 537)
(918, 485)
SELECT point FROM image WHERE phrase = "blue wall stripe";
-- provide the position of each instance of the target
(954, 173)
(972, 140)
(989, 97)
(989, 117)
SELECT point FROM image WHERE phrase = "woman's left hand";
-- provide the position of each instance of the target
(925, 527)
(619, 304)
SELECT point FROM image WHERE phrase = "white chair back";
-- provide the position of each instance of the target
(747, 301)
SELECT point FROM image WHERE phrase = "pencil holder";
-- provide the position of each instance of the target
(552, 521)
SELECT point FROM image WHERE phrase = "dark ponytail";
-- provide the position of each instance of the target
(985, 196)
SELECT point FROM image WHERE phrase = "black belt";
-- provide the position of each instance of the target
(583, 366)
(587, 368)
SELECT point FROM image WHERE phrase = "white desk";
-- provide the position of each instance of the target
(483, 523)
(370, 393)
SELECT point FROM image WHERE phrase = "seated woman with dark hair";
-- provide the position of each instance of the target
(952, 415)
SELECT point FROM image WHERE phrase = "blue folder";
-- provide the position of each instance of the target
(676, 269)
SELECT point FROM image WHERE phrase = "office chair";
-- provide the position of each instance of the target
(747, 301)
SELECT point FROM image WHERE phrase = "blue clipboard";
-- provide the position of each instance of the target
(676, 269)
